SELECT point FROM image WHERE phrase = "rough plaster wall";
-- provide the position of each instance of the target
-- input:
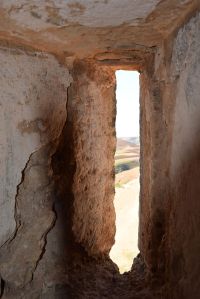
(39, 15)
(184, 234)
(33, 113)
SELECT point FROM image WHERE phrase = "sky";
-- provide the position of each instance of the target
(127, 95)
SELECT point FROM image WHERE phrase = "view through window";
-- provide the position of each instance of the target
(127, 170)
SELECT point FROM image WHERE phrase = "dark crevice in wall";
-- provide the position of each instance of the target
(64, 166)
(45, 242)
(33, 198)
(17, 220)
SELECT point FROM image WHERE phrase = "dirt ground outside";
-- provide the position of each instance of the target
(126, 204)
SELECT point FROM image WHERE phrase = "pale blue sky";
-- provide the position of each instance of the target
(127, 94)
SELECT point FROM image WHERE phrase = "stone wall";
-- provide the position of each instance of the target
(57, 179)
(184, 219)
(57, 144)
(169, 200)
(91, 110)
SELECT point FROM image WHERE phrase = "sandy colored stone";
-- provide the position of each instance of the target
(57, 145)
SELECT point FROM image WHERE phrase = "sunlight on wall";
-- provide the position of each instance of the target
(127, 184)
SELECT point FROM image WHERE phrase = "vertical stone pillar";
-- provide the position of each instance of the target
(90, 134)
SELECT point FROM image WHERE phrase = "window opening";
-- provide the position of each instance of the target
(127, 184)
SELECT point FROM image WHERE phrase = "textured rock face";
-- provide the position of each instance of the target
(184, 230)
(57, 144)
(91, 110)
(156, 127)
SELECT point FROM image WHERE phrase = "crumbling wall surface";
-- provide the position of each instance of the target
(184, 220)
(32, 115)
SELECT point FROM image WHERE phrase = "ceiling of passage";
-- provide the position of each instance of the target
(88, 27)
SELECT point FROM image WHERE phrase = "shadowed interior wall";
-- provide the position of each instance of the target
(184, 220)
(169, 211)
(155, 144)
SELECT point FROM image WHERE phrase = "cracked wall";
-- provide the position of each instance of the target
(33, 113)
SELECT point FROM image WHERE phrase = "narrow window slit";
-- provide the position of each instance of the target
(127, 186)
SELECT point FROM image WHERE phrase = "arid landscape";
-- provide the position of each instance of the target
(126, 202)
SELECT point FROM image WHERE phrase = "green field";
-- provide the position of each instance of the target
(121, 166)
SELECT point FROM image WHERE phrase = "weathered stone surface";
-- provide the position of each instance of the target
(57, 144)
(91, 133)
(91, 110)
(33, 113)
(85, 28)
(33, 99)
(155, 120)
(169, 223)
(38, 15)
(184, 229)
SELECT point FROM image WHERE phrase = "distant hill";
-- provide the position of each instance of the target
(127, 141)
(122, 143)
(133, 140)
